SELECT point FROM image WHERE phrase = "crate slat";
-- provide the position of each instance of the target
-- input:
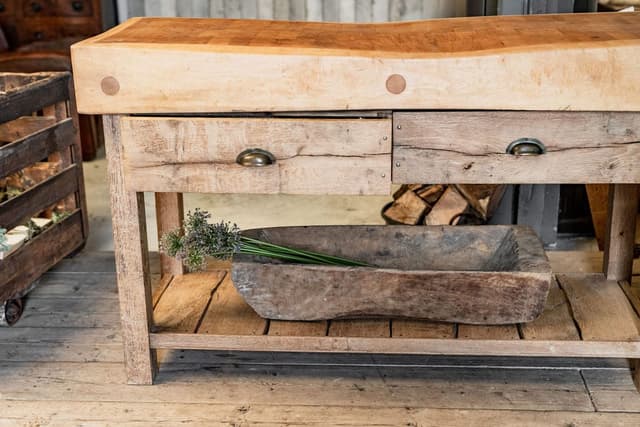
(35, 147)
(40, 254)
(18, 209)
(45, 89)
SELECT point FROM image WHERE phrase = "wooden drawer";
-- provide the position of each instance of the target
(74, 8)
(471, 147)
(7, 7)
(34, 8)
(312, 156)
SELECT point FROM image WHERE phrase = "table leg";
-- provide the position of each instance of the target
(132, 263)
(169, 215)
(619, 240)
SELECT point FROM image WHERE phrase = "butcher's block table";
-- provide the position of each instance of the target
(351, 109)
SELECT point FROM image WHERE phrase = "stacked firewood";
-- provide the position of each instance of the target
(438, 204)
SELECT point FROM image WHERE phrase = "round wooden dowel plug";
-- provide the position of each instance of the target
(396, 84)
(110, 86)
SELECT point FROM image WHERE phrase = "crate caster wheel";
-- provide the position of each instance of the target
(10, 311)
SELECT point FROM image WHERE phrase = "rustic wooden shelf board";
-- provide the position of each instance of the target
(572, 325)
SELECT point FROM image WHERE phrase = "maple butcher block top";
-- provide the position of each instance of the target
(584, 62)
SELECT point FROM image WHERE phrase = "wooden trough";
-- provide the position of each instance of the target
(465, 274)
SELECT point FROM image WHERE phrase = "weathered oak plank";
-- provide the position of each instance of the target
(40, 90)
(600, 308)
(132, 265)
(357, 152)
(583, 147)
(228, 314)
(28, 204)
(621, 231)
(184, 301)
(49, 247)
(555, 322)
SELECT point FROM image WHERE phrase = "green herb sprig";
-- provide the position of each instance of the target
(221, 240)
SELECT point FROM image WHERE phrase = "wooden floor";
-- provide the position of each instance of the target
(62, 365)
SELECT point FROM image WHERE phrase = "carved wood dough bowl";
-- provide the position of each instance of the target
(477, 275)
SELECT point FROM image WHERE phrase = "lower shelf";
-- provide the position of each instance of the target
(585, 316)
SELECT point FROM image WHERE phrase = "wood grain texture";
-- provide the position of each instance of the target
(368, 328)
(555, 322)
(598, 195)
(38, 255)
(312, 156)
(353, 344)
(470, 147)
(184, 301)
(621, 231)
(169, 217)
(132, 265)
(600, 308)
(421, 329)
(492, 332)
(528, 63)
(298, 329)
(456, 274)
(22, 94)
(30, 203)
(23, 126)
(228, 314)
(71, 111)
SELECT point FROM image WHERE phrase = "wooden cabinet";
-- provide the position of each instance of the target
(485, 100)
(28, 21)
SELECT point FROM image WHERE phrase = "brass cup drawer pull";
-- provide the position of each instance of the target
(255, 157)
(526, 147)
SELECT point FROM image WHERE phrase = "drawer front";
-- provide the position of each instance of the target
(7, 8)
(312, 156)
(32, 8)
(74, 8)
(471, 147)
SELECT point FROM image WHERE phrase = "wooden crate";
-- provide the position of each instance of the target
(40, 177)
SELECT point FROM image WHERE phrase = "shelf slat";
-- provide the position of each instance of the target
(556, 322)
(185, 299)
(601, 309)
(228, 314)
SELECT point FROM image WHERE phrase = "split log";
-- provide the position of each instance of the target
(450, 206)
(408, 209)
(431, 193)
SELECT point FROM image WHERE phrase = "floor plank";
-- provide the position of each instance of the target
(62, 412)
(612, 391)
(291, 385)
(55, 373)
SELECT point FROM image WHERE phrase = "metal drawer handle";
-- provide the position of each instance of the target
(255, 157)
(526, 147)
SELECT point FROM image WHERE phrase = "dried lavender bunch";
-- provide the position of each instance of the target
(221, 240)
